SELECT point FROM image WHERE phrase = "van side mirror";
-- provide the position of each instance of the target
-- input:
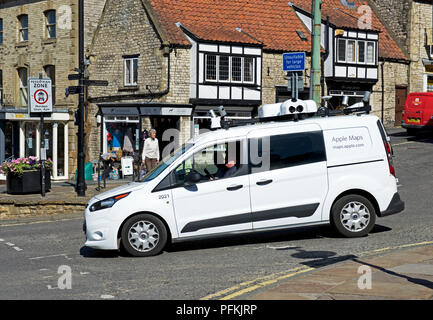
(192, 178)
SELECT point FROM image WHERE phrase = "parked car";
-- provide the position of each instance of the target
(418, 112)
(315, 171)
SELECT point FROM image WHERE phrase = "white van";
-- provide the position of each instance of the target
(271, 175)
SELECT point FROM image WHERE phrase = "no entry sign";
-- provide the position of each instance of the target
(40, 95)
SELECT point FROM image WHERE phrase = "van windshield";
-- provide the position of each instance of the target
(164, 163)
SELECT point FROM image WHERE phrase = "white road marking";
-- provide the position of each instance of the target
(51, 256)
(1, 240)
(18, 249)
(83, 273)
(10, 244)
(107, 296)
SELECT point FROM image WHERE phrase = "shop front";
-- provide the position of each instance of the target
(21, 135)
(202, 117)
(125, 126)
(355, 92)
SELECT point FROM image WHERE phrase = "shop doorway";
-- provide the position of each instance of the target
(400, 98)
(162, 125)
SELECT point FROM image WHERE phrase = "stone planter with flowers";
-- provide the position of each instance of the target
(24, 175)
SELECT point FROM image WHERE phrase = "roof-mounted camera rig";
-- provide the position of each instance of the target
(291, 110)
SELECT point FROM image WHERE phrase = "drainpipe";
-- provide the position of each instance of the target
(315, 60)
(383, 89)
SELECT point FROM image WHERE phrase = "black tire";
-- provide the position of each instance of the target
(142, 245)
(412, 131)
(348, 203)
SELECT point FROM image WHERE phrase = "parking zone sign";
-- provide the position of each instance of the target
(40, 95)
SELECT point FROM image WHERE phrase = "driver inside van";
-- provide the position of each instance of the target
(226, 171)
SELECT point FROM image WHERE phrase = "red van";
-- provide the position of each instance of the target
(418, 112)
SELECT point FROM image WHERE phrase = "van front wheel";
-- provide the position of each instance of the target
(353, 216)
(144, 235)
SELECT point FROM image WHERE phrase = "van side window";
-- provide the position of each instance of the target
(213, 162)
(287, 150)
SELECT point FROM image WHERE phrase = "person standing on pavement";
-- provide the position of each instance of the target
(150, 153)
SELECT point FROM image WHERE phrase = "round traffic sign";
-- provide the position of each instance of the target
(41, 96)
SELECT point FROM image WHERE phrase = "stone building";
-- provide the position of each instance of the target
(41, 37)
(410, 24)
(169, 62)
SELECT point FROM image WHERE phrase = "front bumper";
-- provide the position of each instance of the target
(396, 205)
(100, 232)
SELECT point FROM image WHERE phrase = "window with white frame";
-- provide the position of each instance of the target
(23, 27)
(371, 53)
(249, 69)
(22, 83)
(131, 71)
(351, 51)
(211, 67)
(224, 68)
(50, 24)
(341, 50)
(356, 51)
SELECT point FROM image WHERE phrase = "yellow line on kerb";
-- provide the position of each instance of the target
(255, 284)
(252, 285)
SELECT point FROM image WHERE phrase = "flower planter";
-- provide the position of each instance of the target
(30, 182)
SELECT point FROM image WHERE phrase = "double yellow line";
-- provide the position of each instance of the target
(252, 285)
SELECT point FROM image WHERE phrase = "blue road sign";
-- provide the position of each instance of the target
(294, 61)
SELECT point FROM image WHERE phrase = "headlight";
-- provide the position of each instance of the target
(107, 203)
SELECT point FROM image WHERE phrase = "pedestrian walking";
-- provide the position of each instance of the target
(150, 153)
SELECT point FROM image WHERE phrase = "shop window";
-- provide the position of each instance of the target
(1, 87)
(131, 71)
(30, 136)
(61, 150)
(50, 24)
(22, 84)
(23, 27)
(9, 140)
(121, 138)
(50, 72)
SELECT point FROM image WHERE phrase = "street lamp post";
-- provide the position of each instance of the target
(81, 183)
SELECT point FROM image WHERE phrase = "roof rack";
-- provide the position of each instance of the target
(291, 110)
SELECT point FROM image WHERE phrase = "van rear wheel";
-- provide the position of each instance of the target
(144, 235)
(353, 216)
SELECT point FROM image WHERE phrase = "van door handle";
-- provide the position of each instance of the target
(264, 182)
(235, 187)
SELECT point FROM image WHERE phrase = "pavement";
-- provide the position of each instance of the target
(404, 274)
(61, 199)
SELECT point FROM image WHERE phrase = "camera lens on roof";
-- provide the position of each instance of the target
(300, 108)
(292, 109)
